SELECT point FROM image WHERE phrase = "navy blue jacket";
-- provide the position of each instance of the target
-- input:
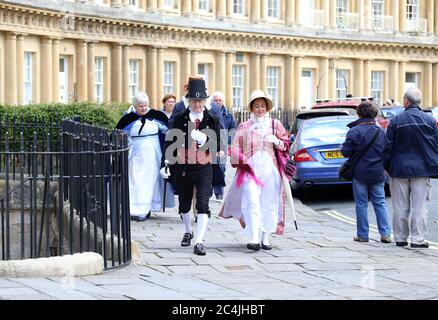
(370, 168)
(412, 145)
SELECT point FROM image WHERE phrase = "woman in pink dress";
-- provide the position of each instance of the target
(256, 196)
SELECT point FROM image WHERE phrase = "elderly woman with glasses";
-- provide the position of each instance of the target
(256, 194)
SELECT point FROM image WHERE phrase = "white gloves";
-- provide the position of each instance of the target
(201, 138)
(165, 173)
(273, 139)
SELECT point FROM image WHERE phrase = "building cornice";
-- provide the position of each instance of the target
(64, 24)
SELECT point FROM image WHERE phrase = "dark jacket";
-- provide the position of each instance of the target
(412, 145)
(370, 168)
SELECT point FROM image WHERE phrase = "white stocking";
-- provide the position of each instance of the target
(265, 238)
(201, 227)
(187, 218)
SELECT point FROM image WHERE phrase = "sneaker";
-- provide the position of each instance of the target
(253, 246)
(358, 239)
(385, 239)
(187, 239)
(199, 249)
(401, 243)
(423, 245)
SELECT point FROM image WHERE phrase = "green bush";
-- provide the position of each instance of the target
(102, 115)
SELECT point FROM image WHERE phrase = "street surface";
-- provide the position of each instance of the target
(338, 202)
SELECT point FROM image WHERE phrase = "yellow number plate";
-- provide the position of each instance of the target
(333, 155)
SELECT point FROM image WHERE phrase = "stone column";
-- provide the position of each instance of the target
(186, 69)
(430, 16)
(116, 3)
(263, 70)
(255, 11)
(125, 73)
(435, 84)
(228, 79)
(194, 62)
(20, 69)
(221, 10)
(367, 15)
(55, 70)
(46, 70)
(297, 88)
(11, 68)
(263, 8)
(401, 78)
(402, 17)
(160, 77)
(332, 79)
(116, 73)
(290, 13)
(81, 70)
(91, 77)
(361, 11)
(436, 16)
(220, 74)
(229, 8)
(152, 5)
(327, 12)
(393, 80)
(367, 78)
(152, 74)
(324, 74)
(359, 79)
(298, 18)
(186, 7)
(195, 6)
(290, 82)
(125, 3)
(255, 71)
(395, 10)
(332, 14)
(427, 85)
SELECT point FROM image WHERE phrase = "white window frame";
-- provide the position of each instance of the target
(342, 6)
(341, 83)
(273, 9)
(28, 78)
(238, 85)
(377, 8)
(413, 10)
(170, 4)
(377, 86)
(203, 71)
(134, 78)
(168, 77)
(273, 84)
(204, 5)
(239, 7)
(98, 79)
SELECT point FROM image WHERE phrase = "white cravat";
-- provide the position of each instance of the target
(196, 116)
(260, 123)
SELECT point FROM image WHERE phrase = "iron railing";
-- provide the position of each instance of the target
(286, 117)
(63, 190)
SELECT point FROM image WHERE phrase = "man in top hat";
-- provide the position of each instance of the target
(191, 145)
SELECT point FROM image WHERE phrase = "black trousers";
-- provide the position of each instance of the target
(189, 176)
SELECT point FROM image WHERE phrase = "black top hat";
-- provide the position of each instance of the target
(196, 89)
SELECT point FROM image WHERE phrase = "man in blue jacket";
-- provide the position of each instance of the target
(411, 158)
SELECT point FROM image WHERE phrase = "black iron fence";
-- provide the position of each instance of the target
(63, 190)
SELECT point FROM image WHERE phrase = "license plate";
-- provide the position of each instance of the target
(333, 155)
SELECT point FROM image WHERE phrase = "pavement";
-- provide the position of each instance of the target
(318, 262)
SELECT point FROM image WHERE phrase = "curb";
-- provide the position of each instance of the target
(79, 264)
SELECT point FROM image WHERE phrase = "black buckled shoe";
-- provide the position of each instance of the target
(199, 249)
(424, 245)
(266, 246)
(186, 239)
(253, 246)
(401, 243)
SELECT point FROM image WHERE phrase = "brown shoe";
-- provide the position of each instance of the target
(358, 239)
(385, 239)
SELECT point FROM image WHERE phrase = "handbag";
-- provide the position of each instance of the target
(346, 171)
(285, 164)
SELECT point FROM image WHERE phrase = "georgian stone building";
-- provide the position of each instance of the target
(297, 50)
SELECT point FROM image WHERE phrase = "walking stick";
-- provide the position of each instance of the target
(166, 167)
(290, 199)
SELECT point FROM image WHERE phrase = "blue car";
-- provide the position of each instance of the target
(316, 151)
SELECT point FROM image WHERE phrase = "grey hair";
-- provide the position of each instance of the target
(220, 94)
(413, 95)
(140, 97)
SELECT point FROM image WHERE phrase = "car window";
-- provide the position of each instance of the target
(325, 133)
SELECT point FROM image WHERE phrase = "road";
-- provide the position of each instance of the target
(339, 203)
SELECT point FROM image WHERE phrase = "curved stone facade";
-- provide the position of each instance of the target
(105, 50)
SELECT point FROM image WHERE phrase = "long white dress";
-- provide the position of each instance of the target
(144, 164)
